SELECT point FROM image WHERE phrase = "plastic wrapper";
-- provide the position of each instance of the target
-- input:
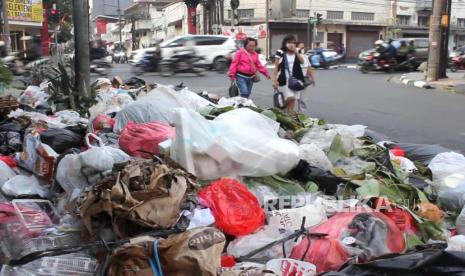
(236, 210)
(69, 264)
(141, 140)
(158, 105)
(201, 218)
(446, 164)
(355, 166)
(36, 215)
(290, 267)
(37, 157)
(366, 235)
(20, 186)
(61, 119)
(315, 157)
(243, 245)
(238, 142)
(33, 96)
(292, 218)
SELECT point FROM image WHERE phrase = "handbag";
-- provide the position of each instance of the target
(278, 99)
(293, 83)
(256, 77)
(233, 90)
(307, 81)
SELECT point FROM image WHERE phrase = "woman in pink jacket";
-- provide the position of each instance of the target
(245, 68)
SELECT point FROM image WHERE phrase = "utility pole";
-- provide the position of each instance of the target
(267, 19)
(120, 27)
(394, 16)
(435, 38)
(6, 26)
(81, 45)
(445, 24)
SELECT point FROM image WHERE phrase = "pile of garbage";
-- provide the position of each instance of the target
(164, 181)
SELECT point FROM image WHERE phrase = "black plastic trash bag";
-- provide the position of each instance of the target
(327, 182)
(135, 82)
(11, 137)
(422, 153)
(428, 260)
(60, 139)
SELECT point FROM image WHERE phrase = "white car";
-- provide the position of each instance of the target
(137, 55)
(213, 48)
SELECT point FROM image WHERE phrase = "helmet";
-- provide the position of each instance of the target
(379, 42)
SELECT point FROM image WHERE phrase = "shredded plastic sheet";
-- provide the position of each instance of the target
(323, 136)
(315, 157)
(239, 142)
(61, 119)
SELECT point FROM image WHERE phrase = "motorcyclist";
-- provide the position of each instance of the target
(187, 52)
(403, 51)
(97, 51)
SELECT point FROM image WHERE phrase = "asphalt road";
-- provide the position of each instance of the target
(346, 96)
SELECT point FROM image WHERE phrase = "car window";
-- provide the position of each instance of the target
(209, 40)
(423, 43)
(176, 43)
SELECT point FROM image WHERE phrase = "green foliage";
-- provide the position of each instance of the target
(5, 75)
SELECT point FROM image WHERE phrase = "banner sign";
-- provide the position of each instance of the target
(242, 32)
(25, 10)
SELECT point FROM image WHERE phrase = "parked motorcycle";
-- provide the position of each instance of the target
(148, 63)
(182, 64)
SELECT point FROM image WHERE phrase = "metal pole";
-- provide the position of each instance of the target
(6, 26)
(81, 47)
(119, 23)
(267, 19)
(445, 40)
(435, 37)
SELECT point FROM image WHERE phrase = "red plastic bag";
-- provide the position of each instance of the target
(236, 210)
(364, 234)
(102, 122)
(9, 161)
(141, 140)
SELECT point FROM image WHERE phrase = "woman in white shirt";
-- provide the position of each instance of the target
(288, 63)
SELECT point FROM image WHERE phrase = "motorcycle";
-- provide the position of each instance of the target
(324, 58)
(101, 66)
(375, 62)
(182, 64)
(222, 64)
(457, 63)
(149, 62)
(119, 57)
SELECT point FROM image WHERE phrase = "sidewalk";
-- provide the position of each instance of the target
(455, 82)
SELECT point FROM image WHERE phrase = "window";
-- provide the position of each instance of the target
(209, 40)
(177, 43)
(320, 37)
(423, 21)
(242, 13)
(334, 15)
(302, 13)
(363, 16)
(403, 19)
(461, 22)
(422, 43)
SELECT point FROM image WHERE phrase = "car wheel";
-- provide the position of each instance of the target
(166, 70)
(219, 64)
(453, 67)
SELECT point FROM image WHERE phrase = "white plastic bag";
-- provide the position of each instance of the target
(446, 164)
(292, 218)
(33, 96)
(21, 185)
(460, 222)
(323, 136)
(201, 218)
(157, 105)
(101, 158)
(69, 175)
(456, 243)
(239, 142)
(267, 234)
(6, 173)
(315, 157)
